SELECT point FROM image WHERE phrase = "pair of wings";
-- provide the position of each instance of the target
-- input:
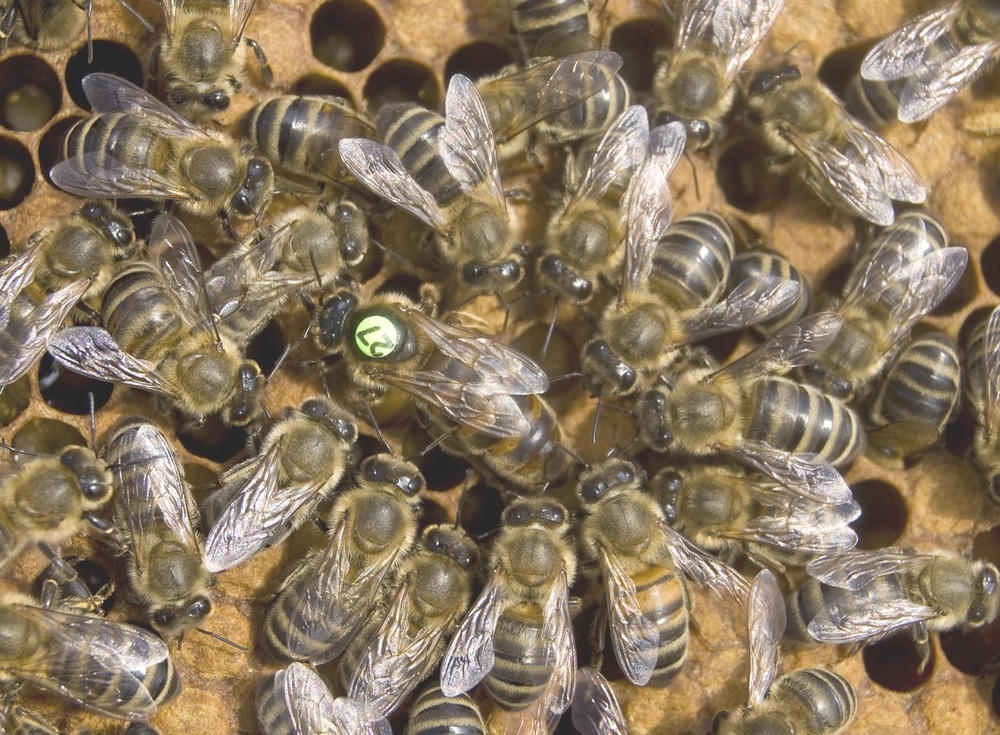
(312, 710)
(855, 570)
(990, 400)
(99, 174)
(95, 662)
(238, 15)
(595, 708)
(733, 27)
(929, 57)
(470, 655)
(151, 491)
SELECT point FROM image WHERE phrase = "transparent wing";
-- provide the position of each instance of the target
(648, 204)
(470, 654)
(16, 275)
(703, 568)
(739, 27)
(171, 9)
(357, 718)
(91, 351)
(752, 300)
(35, 333)
(991, 346)
(171, 248)
(854, 570)
(307, 699)
(557, 628)
(467, 145)
(871, 621)
(929, 92)
(229, 279)
(694, 20)
(807, 474)
(239, 14)
(595, 707)
(636, 639)
(765, 626)
(109, 93)
(900, 180)
(904, 52)
(622, 148)
(379, 168)
(549, 87)
(97, 174)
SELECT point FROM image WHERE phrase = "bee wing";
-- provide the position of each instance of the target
(259, 511)
(807, 474)
(751, 301)
(39, 329)
(16, 275)
(551, 86)
(395, 661)
(871, 621)
(501, 370)
(854, 570)
(356, 718)
(900, 180)
(109, 93)
(229, 278)
(765, 626)
(239, 14)
(467, 144)
(934, 88)
(635, 637)
(904, 52)
(991, 346)
(91, 351)
(470, 655)
(171, 247)
(695, 18)
(703, 568)
(307, 699)
(738, 28)
(795, 345)
(622, 148)
(171, 9)
(97, 174)
(86, 655)
(648, 204)
(595, 707)
(379, 168)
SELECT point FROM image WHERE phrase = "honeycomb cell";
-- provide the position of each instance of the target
(402, 80)
(95, 578)
(50, 148)
(638, 41)
(989, 262)
(4, 243)
(267, 347)
(29, 93)
(346, 35)
(883, 514)
(433, 513)
(742, 175)
(45, 436)
(480, 509)
(213, 440)
(198, 475)
(894, 664)
(70, 392)
(840, 66)
(17, 173)
(441, 470)
(14, 399)
(109, 56)
(319, 84)
(477, 60)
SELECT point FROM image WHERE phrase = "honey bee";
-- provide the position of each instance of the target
(460, 197)
(432, 713)
(934, 56)
(251, 283)
(595, 707)
(626, 532)
(758, 264)
(861, 597)
(722, 510)
(48, 500)
(518, 635)
(141, 728)
(674, 276)
(807, 701)
(483, 394)
(398, 649)
(917, 397)
(156, 520)
(159, 336)
(539, 24)
(201, 54)
(694, 83)
(45, 25)
(982, 362)
(295, 701)
(261, 501)
(584, 238)
(843, 162)
(99, 664)
(326, 599)
(905, 274)
(792, 433)
(299, 134)
(135, 146)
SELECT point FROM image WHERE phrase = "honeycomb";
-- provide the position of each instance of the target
(372, 51)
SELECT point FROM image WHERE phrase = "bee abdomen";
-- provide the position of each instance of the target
(412, 131)
(691, 262)
(923, 383)
(533, 20)
(521, 670)
(116, 140)
(435, 714)
(800, 419)
(590, 117)
(283, 625)
(762, 264)
(663, 599)
(272, 712)
(141, 314)
(826, 700)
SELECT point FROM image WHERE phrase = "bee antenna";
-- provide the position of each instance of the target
(552, 326)
(465, 488)
(486, 535)
(694, 175)
(90, 33)
(423, 452)
(315, 267)
(93, 423)
(506, 306)
(12, 448)
(135, 13)
(566, 376)
(597, 417)
(218, 637)
(572, 455)
(374, 422)
(392, 253)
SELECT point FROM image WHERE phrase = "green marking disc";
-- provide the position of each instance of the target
(376, 336)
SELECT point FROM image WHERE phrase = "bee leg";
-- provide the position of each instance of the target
(227, 225)
(154, 65)
(923, 641)
(265, 68)
(598, 626)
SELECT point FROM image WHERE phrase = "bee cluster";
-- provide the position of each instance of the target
(484, 353)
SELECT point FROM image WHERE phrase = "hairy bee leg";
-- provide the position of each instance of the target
(265, 67)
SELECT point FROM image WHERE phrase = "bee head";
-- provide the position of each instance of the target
(668, 488)
(535, 511)
(245, 406)
(767, 81)
(177, 617)
(254, 194)
(329, 320)
(352, 229)
(93, 476)
(653, 429)
(117, 227)
(986, 601)
(326, 413)
(604, 372)
(385, 469)
(453, 543)
(492, 277)
(609, 478)
(554, 270)
(835, 386)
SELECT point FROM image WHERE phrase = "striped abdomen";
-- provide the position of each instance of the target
(801, 419)
(662, 597)
(558, 20)
(590, 117)
(764, 264)
(412, 131)
(691, 261)
(923, 383)
(142, 314)
(914, 235)
(272, 712)
(817, 701)
(815, 600)
(117, 141)
(435, 714)
(520, 670)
